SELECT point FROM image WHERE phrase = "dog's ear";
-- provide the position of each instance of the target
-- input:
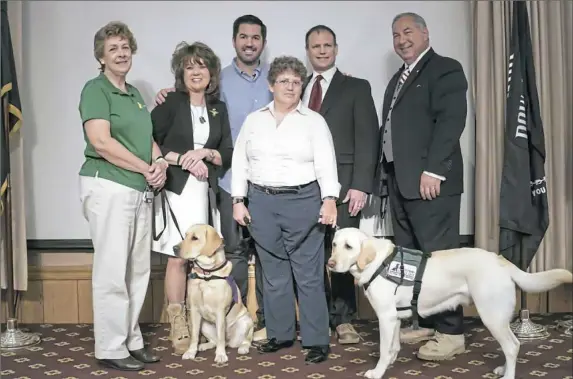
(367, 254)
(212, 241)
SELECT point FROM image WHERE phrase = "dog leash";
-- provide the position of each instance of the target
(164, 201)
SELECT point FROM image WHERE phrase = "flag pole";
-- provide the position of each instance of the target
(12, 338)
(523, 328)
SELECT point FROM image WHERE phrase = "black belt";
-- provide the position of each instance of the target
(280, 190)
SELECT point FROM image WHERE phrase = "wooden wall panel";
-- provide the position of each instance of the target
(63, 295)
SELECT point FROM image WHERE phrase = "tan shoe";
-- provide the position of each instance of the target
(410, 335)
(347, 334)
(442, 347)
(179, 332)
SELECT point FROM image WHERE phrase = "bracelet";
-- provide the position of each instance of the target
(159, 157)
(330, 198)
(179, 160)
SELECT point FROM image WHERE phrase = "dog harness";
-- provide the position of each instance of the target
(229, 279)
(404, 267)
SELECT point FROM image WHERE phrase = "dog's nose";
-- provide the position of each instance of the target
(331, 263)
(176, 249)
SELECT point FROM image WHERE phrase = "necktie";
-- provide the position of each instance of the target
(404, 76)
(316, 95)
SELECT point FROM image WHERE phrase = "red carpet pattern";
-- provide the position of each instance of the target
(66, 351)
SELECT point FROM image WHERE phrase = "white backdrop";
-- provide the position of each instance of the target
(58, 60)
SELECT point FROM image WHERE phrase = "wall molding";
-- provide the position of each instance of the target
(86, 246)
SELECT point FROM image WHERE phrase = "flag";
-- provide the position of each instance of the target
(524, 213)
(10, 107)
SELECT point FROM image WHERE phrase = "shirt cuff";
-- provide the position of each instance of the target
(330, 189)
(239, 190)
(443, 179)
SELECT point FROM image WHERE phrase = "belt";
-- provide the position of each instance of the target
(280, 190)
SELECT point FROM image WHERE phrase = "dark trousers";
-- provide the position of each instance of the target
(427, 225)
(290, 244)
(238, 252)
(340, 292)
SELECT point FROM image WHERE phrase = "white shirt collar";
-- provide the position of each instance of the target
(299, 107)
(326, 75)
(410, 67)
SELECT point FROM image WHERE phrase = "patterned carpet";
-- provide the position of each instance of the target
(66, 351)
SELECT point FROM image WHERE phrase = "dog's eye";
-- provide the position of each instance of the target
(347, 246)
(194, 238)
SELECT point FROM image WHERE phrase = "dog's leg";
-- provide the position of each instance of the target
(495, 311)
(221, 341)
(246, 330)
(209, 331)
(395, 349)
(387, 325)
(195, 320)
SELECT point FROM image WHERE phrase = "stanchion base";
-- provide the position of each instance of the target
(566, 326)
(526, 330)
(13, 338)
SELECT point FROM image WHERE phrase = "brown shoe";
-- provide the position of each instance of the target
(347, 334)
(179, 333)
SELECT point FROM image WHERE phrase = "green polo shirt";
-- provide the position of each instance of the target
(130, 125)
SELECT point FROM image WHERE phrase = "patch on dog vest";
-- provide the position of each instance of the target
(404, 266)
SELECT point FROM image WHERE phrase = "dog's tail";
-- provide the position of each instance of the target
(538, 282)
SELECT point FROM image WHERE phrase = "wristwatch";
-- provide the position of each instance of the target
(237, 200)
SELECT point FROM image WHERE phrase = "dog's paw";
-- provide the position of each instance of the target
(190, 354)
(243, 349)
(373, 374)
(221, 357)
(499, 370)
(206, 346)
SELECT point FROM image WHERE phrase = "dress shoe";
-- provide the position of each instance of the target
(123, 364)
(274, 345)
(144, 356)
(317, 354)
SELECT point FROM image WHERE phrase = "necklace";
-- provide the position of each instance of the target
(202, 116)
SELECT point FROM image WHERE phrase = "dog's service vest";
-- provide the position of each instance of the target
(230, 281)
(404, 267)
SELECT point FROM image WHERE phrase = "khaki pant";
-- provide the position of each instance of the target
(120, 228)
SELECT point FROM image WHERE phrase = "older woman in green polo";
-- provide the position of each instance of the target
(123, 165)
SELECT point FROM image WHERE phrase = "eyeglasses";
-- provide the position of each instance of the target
(286, 82)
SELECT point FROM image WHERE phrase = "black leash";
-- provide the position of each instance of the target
(164, 201)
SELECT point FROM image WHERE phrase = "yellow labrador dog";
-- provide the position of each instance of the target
(214, 299)
(452, 277)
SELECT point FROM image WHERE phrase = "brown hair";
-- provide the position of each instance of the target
(112, 29)
(200, 53)
(284, 64)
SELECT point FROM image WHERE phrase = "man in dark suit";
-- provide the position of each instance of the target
(347, 105)
(421, 166)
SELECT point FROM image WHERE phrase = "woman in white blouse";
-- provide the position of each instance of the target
(192, 130)
(284, 163)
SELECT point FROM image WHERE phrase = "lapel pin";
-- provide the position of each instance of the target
(214, 112)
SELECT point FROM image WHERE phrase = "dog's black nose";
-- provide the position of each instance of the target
(176, 249)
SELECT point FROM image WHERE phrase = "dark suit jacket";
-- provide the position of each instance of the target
(349, 111)
(173, 131)
(428, 119)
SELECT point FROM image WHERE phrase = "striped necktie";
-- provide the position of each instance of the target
(404, 76)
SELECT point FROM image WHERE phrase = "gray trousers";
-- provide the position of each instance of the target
(290, 243)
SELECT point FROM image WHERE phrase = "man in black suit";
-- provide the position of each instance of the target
(421, 166)
(347, 105)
